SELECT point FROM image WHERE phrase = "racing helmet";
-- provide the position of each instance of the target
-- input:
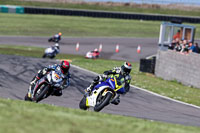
(60, 34)
(56, 44)
(64, 65)
(126, 68)
(95, 50)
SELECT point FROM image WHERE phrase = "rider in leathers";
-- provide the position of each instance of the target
(122, 76)
(63, 67)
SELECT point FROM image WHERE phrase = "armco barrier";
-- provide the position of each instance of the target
(104, 14)
(11, 9)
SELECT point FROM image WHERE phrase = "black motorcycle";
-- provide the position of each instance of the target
(47, 86)
(54, 39)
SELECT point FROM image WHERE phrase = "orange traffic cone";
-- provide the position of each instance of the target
(100, 47)
(77, 46)
(138, 49)
(117, 48)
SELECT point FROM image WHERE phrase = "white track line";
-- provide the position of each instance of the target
(195, 106)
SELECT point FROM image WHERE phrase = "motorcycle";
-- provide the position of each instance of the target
(102, 95)
(51, 52)
(92, 55)
(54, 39)
(46, 86)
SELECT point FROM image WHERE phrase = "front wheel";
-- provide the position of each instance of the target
(41, 92)
(44, 56)
(26, 98)
(103, 101)
(82, 104)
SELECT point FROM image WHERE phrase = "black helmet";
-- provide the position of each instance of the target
(126, 68)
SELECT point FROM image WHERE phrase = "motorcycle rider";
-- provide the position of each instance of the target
(122, 76)
(63, 67)
(56, 37)
(56, 48)
(52, 51)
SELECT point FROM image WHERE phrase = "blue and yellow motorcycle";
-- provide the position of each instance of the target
(102, 95)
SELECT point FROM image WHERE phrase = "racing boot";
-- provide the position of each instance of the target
(57, 93)
(116, 100)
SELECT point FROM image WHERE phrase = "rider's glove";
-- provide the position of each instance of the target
(44, 71)
(104, 76)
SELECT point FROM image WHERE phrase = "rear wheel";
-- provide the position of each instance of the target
(50, 39)
(102, 101)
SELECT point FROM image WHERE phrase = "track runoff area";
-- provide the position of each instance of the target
(137, 103)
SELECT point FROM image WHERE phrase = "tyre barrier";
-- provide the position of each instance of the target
(148, 65)
(105, 14)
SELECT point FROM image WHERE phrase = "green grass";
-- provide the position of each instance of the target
(119, 8)
(22, 117)
(144, 80)
(48, 25)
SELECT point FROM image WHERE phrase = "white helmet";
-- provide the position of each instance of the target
(56, 44)
(96, 50)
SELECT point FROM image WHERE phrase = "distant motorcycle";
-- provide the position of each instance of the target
(102, 95)
(55, 39)
(92, 54)
(51, 52)
(46, 86)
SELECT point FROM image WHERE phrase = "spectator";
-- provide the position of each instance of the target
(194, 48)
(197, 49)
(178, 47)
(185, 46)
(173, 44)
(177, 35)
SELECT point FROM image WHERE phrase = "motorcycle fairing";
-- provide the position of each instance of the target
(113, 84)
(91, 100)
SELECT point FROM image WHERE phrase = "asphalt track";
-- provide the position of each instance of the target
(16, 73)
(127, 46)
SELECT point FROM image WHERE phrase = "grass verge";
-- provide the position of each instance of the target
(47, 25)
(144, 80)
(71, 26)
(21, 117)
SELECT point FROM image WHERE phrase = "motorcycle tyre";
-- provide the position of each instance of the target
(50, 39)
(104, 103)
(82, 104)
(26, 98)
(41, 95)
(44, 56)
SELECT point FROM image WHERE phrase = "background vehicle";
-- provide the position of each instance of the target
(51, 52)
(53, 39)
(46, 86)
(92, 54)
(102, 95)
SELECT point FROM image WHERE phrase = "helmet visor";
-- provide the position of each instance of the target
(127, 71)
